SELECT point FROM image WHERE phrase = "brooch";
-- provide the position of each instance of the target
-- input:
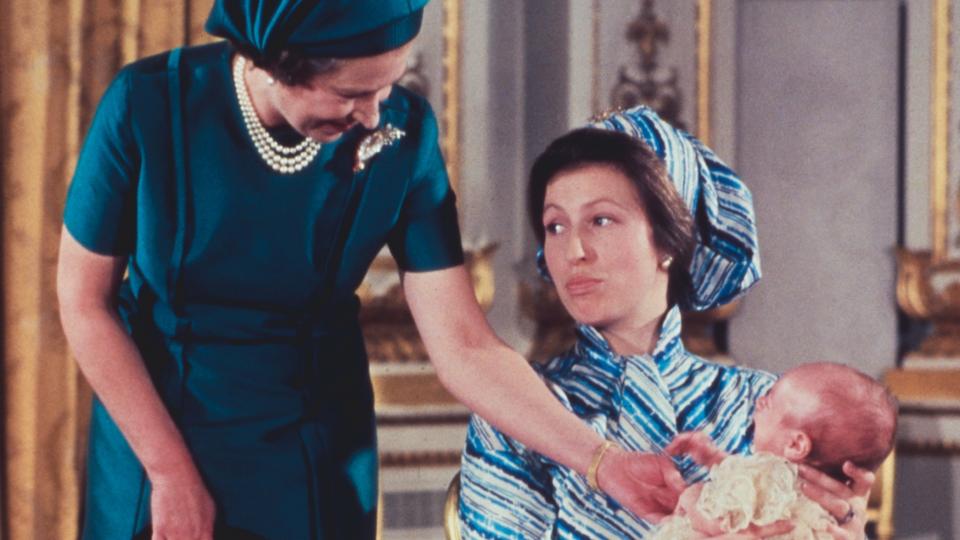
(373, 143)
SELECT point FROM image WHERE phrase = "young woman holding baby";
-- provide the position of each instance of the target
(637, 220)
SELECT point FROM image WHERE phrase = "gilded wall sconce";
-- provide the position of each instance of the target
(928, 281)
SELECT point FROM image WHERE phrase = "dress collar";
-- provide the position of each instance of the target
(592, 344)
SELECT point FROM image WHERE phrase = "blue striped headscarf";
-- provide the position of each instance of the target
(726, 260)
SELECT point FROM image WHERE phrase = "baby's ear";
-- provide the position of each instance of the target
(798, 446)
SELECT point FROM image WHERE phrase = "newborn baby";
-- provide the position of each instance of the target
(820, 414)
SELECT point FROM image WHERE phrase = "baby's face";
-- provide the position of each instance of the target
(775, 413)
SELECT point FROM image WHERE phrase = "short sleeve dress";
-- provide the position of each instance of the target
(240, 293)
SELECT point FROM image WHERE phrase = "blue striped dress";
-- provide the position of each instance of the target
(640, 402)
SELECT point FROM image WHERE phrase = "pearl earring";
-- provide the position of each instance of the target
(271, 81)
(666, 262)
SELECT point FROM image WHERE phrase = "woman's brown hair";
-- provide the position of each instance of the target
(670, 219)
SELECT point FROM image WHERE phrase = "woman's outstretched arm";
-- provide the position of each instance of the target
(497, 383)
(87, 285)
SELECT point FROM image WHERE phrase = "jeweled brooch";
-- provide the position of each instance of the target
(372, 144)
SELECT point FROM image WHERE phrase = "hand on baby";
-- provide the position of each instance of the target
(841, 498)
(646, 485)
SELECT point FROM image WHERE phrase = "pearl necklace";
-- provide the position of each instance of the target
(283, 159)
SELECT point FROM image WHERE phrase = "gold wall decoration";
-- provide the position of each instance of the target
(56, 57)
(554, 330)
(646, 83)
(940, 129)
(450, 119)
(704, 59)
(700, 331)
(927, 394)
(928, 281)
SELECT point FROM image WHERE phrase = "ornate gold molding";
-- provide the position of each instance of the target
(928, 281)
(411, 390)
(704, 59)
(451, 90)
(926, 394)
(940, 129)
(554, 330)
(934, 387)
(644, 83)
(928, 289)
(595, 106)
(699, 330)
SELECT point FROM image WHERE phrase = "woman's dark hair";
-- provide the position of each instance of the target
(670, 219)
(289, 66)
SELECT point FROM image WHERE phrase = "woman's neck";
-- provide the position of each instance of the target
(258, 89)
(634, 338)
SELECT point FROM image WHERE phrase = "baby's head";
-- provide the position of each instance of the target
(824, 414)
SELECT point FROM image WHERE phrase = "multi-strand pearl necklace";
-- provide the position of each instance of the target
(283, 159)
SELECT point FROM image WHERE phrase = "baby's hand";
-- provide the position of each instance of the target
(698, 446)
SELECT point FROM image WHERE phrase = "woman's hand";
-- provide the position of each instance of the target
(846, 503)
(181, 507)
(647, 485)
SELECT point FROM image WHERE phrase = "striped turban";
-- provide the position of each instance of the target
(726, 260)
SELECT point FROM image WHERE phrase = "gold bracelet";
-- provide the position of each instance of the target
(595, 464)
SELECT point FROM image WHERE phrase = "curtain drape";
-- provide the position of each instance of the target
(56, 59)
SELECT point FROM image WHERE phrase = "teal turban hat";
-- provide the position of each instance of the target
(320, 28)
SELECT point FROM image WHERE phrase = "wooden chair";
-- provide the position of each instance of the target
(879, 506)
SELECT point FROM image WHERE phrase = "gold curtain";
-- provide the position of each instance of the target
(56, 59)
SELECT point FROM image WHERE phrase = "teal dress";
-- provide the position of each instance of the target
(240, 293)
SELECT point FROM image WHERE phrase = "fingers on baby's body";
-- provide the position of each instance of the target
(839, 533)
(861, 480)
(825, 483)
(835, 505)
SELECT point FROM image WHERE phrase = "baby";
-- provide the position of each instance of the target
(821, 414)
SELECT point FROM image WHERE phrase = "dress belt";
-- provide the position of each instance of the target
(218, 324)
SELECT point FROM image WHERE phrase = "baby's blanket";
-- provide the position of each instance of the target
(753, 490)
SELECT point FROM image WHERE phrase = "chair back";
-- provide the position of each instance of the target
(880, 503)
(451, 517)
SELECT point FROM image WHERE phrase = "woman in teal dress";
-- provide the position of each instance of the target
(244, 188)
(226, 204)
